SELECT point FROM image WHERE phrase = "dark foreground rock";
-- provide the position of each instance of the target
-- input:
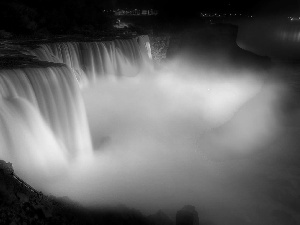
(22, 204)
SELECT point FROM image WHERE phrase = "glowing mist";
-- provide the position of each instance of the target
(162, 139)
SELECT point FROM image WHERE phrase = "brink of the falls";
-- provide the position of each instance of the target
(92, 60)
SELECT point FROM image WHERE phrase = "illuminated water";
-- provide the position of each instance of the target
(184, 134)
(92, 60)
(54, 95)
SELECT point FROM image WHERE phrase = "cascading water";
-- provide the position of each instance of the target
(53, 97)
(42, 113)
(92, 60)
(160, 137)
(27, 141)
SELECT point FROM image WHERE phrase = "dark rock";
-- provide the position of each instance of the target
(159, 47)
(187, 216)
(6, 168)
(22, 204)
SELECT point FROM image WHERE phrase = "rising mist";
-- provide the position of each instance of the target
(173, 136)
(190, 132)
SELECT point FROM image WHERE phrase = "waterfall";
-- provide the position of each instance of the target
(43, 120)
(53, 97)
(92, 60)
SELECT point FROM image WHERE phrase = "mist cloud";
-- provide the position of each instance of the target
(167, 138)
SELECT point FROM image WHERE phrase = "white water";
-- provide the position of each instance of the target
(162, 139)
(90, 61)
(54, 94)
(43, 117)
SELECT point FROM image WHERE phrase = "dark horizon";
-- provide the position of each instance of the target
(188, 6)
(57, 16)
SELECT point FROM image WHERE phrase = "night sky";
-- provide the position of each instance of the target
(185, 6)
(193, 5)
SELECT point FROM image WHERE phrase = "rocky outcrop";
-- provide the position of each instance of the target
(159, 47)
(6, 167)
(22, 204)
